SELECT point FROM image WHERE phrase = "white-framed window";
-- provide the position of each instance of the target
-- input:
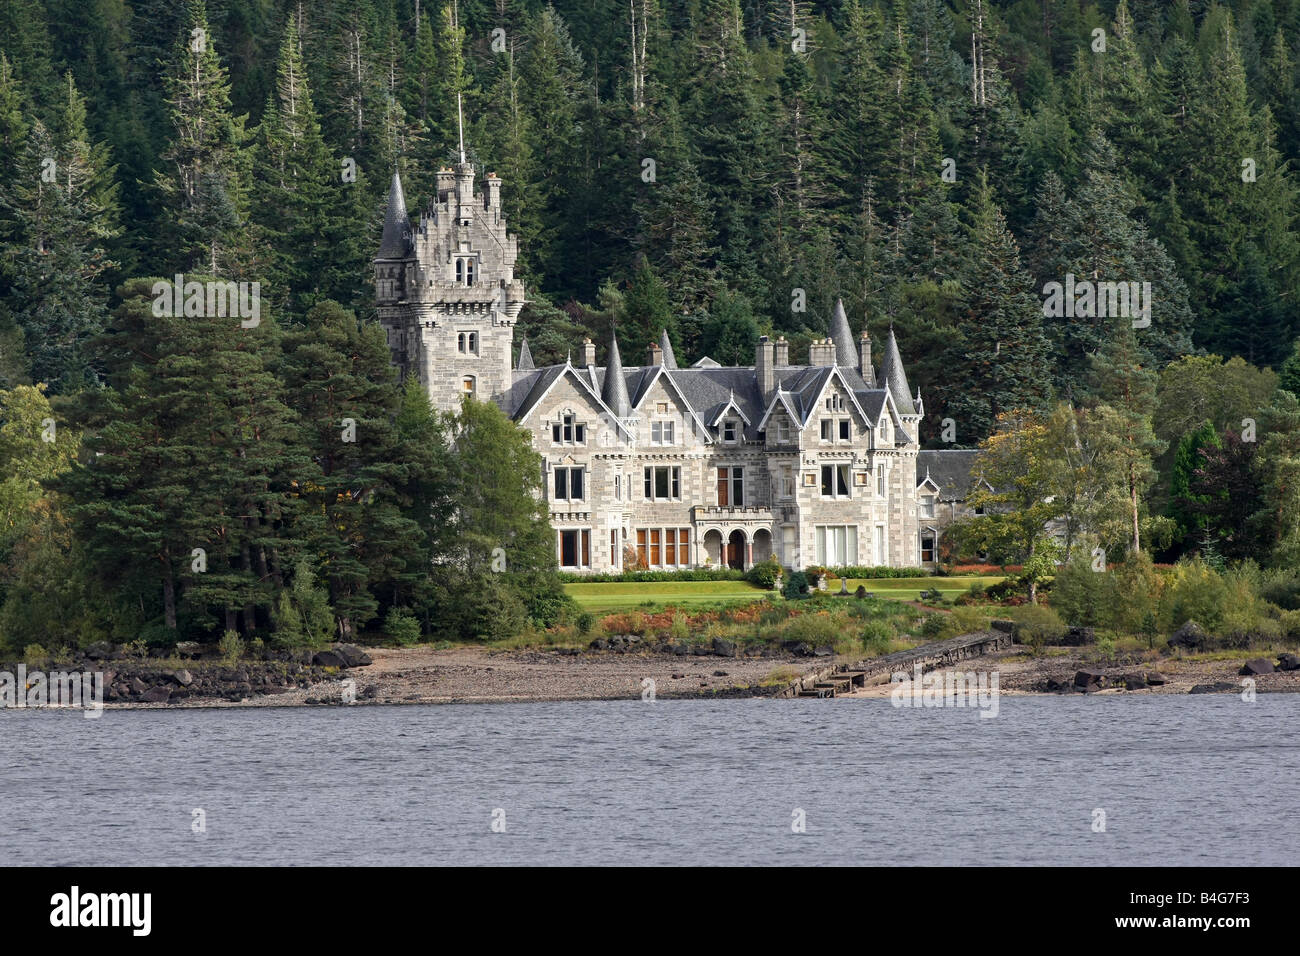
(927, 506)
(835, 481)
(880, 557)
(845, 430)
(568, 431)
(880, 481)
(837, 545)
(927, 548)
(574, 547)
(568, 484)
(731, 486)
(663, 482)
(783, 432)
(729, 431)
(828, 429)
(618, 487)
(785, 482)
(663, 433)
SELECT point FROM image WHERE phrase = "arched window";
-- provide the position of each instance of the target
(460, 342)
(460, 271)
(468, 385)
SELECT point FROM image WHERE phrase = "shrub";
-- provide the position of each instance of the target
(35, 656)
(1037, 625)
(401, 626)
(794, 586)
(1281, 587)
(1081, 595)
(680, 628)
(877, 637)
(1194, 591)
(815, 627)
(764, 574)
(231, 646)
(934, 625)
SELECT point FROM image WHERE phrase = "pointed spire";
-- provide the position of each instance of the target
(460, 128)
(614, 390)
(846, 353)
(894, 378)
(397, 242)
(666, 345)
(525, 357)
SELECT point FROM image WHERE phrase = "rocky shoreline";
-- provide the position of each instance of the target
(617, 668)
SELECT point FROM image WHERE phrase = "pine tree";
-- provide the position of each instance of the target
(205, 221)
(998, 360)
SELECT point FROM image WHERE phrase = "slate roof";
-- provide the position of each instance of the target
(707, 389)
(950, 469)
(525, 357)
(666, 345)
(398, 241)
(893, 376)
(846, 352)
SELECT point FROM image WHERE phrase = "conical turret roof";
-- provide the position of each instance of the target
(613, 391)
(525, 357)
(397, 242)
(894, 378)
(666, 346)
(846, 353)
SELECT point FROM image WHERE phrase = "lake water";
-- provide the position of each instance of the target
(1182, 780)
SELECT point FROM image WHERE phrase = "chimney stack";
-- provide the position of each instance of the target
(765, 366)
(821, 352)
(864, 358)
(782, 353)
(654, 355)
(492, 191)
(588, 352)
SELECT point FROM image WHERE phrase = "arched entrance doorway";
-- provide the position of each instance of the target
(736, 550)
(762, 545)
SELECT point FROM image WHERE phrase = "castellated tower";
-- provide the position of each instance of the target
(446, 291)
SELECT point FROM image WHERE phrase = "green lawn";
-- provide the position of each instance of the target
(630, 595)
(608, 598)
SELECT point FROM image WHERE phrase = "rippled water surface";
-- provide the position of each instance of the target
(1182, 780)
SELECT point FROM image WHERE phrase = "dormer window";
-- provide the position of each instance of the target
(927, 506)
(783, 432)
(729, 431)
(567, 431)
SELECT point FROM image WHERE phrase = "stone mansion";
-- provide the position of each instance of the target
(652, 464)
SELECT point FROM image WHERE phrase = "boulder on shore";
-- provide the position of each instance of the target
(1191, 636)
(328, 659)
(352, 655)
(1086, 680)
(1257, 665)
(1288, 662)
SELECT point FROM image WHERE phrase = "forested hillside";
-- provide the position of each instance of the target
(719, 168)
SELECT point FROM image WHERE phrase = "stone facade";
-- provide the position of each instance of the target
(651, 464)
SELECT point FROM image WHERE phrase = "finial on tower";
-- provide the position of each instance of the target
(460, 128)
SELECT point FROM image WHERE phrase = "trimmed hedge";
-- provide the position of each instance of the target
(857, 571)
(689, 574)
